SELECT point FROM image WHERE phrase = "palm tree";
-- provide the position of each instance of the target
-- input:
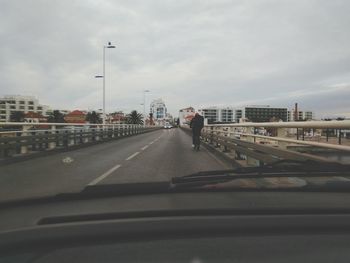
(93, 117)
(56, 117)
(134, 118)
(17, 116)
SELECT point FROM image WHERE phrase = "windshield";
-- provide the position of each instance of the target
(98, 93)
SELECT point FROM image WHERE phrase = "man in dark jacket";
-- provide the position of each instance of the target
(197, 124)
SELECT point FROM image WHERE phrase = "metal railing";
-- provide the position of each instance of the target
(17, 138)
(263, 143)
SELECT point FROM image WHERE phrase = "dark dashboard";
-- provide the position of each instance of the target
(180, 227)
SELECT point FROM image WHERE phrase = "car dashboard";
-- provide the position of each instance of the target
(180, 227)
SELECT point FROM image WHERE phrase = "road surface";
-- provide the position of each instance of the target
(154, 156)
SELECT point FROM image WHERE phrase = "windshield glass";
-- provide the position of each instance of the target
(106, 92)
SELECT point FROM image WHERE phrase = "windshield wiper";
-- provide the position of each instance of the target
(283, 168)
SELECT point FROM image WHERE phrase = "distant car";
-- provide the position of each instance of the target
(167, 126)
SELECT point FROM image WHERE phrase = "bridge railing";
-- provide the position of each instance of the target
(18, 138)
(263, 143)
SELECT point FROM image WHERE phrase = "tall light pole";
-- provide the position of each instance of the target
(109, 45)
(144, 105)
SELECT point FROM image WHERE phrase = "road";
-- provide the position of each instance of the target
(154, 156)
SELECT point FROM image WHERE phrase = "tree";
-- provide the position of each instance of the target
(17, 116)
(134, 118)
(93, 117)
(56, 117)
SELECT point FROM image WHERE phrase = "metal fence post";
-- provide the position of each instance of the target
(52, 145)
(72, 136)
(24, 148)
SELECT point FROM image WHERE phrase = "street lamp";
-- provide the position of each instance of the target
(109, 45)
(144, 105)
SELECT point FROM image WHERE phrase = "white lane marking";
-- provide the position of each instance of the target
(145, 147)
(132, 156)
(100, 178)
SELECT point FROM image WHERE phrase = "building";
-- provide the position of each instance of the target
(218, 114)
(34, 117)
(186, 115)
(25, 104)
(298, 115)
(76, 116)
(257, 113)
(159, 110)
(116, 117)
(302, 115)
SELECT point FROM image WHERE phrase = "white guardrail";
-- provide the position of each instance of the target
(18, 138)
(324, 134)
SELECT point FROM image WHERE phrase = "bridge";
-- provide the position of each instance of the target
(47, 159)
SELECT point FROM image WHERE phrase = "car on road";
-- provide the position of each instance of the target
(167, 125)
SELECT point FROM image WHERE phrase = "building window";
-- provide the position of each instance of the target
(22, 102)
(21, 107)
(31, 107)
(40, 108)
(3, 112)
(31, 102)
(12, 107)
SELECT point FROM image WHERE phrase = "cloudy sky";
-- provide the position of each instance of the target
(198, 53)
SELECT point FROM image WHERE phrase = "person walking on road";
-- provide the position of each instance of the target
(197, 124)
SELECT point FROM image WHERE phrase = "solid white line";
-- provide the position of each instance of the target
(100, 178)
(145, 147)
(132, 156)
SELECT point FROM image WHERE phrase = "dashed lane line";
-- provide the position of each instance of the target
(132, 156)
(145, 147)
(103, 176)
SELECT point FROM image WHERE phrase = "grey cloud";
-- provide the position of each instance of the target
(188, 52)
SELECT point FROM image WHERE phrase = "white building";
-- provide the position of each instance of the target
(186, 115)
(159, 110)
(9, 104)
(302, 115)
(218, 114)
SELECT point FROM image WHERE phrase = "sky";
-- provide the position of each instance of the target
(189, 53)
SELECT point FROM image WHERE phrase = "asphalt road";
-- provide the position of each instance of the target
(154, 156)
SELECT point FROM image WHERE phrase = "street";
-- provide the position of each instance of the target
(154, 156)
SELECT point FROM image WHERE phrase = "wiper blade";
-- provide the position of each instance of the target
(269, 171)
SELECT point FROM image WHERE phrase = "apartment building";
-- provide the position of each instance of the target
(26, 104)
(158, 109)
(302, 115)
(260, 113)
(217, 114)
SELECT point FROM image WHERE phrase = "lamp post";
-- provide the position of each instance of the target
(144, 105)
(109, 45)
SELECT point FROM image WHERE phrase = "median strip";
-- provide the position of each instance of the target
(100, 178)
(132, 156)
